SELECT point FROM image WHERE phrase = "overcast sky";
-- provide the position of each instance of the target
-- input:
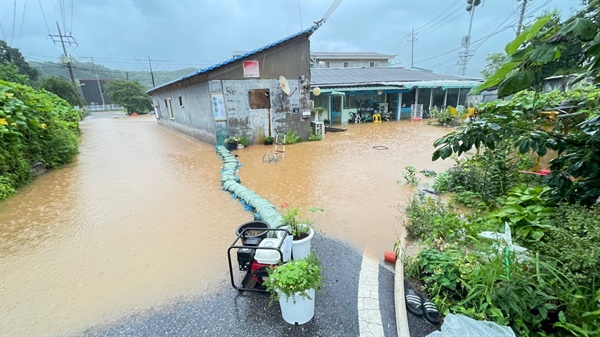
(200, 33)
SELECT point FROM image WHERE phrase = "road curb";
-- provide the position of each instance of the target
(401, 314)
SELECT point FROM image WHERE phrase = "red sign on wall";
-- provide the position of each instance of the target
(251, 69)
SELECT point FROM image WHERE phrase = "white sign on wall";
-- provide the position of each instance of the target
(218, 106)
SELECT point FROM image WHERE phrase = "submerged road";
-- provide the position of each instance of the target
(131, 239)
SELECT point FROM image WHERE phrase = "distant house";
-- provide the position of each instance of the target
(243, 96)
(349, 60)
(344, 92)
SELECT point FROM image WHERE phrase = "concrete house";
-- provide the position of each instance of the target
(246, 95)
(349, 60)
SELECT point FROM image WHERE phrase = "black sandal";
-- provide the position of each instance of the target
(414, 303)
(430, 312)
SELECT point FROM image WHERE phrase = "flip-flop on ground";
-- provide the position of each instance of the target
(430, 312)
(414, 304)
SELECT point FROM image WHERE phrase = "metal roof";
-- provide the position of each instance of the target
(369, 88)
(239, 57)
(351, 55)
(327, 77)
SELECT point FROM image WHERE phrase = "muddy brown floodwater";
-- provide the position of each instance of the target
(140, 218)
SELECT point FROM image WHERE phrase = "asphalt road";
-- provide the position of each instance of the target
(227, 312)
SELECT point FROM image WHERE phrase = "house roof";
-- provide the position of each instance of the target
(351, 55)
(335, 77)
(239, 57)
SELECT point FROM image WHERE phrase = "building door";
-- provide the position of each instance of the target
(336, 109)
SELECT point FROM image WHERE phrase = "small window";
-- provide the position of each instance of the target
(325, 64)
(374, 64)
(348, 64)
(169, 108)
(180, 101)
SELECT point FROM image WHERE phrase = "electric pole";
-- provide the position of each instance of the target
(151, 72)
(412, 37)
(521, 17)
(99, 86)
(69, 39)
(466, 55)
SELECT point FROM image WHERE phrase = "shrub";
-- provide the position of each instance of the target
(291, 137)
(36, 126)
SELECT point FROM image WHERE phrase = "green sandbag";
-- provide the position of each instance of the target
(228, 183)
(239, 188)
(232, 187)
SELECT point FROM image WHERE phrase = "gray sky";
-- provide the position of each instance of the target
(200, 33)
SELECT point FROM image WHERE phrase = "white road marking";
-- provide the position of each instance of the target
(369, 317)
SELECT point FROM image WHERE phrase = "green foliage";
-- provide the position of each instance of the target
(129, 94)
(319, 110)
(493, 62)
(291, 137)
(516, 125)
(232, 140)
(34, 127)
(268, 140)
(297, 276)
(14, 56)
(10, 73)
(526, 211)
(313, 137)
(244, 140)
(298, 222)
(410, 175)
(61, 88)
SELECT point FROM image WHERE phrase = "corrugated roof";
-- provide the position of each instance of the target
(369, 88)
(444, 84)
(351, 55)
(239, 57)
(324, 77)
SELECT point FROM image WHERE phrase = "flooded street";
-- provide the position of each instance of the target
(140, 217)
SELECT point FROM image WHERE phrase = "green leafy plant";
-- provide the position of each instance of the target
(268, 140)
(313, 137)
(291, 137)
(319, 110)
(410, 175)
(295, 278)
(244, 140)
(298, 222)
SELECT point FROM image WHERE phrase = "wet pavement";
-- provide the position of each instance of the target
(135, 231)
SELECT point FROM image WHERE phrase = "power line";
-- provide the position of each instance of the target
(22, 20)
(12, 34)
(71, 16)
(300, 14)
(44, 16)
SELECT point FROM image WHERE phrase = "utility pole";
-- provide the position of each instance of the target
(466, 55)
(412, 37)
(151, 72)
(69, 39)
(521, 17)
(99, 86)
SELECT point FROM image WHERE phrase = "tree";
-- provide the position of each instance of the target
(10, 73)
(129, 94)
(14, 56)
(494, 62)
(61, 88)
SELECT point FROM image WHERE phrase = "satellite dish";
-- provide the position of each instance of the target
(284, 85)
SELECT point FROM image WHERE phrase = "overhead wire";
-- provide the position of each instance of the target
(71, 16)
(22, 20)
(44, 16)
(300, 14)
(12, 34)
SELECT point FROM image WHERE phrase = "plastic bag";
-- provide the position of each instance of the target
(461, 325)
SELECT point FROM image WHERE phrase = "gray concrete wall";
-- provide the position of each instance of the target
(286, 113)
(195, 118)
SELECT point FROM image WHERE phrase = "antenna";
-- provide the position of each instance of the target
(286, 87)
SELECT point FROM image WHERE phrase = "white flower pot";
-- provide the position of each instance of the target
(240, 146)
(301, 248)
(299, 312)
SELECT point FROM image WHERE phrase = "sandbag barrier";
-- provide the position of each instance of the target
(251, 201)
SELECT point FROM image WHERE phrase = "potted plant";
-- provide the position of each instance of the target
(301, 229)
(268, 140)
(294, 285)
(319, 110)
(243, 142)
(231, 143)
